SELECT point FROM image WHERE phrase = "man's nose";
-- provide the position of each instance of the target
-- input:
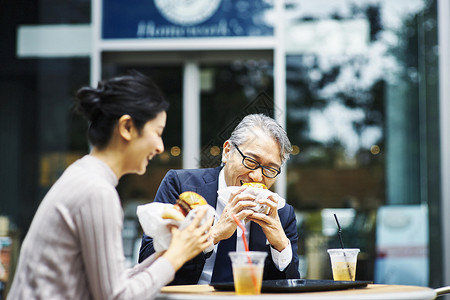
(256, 175)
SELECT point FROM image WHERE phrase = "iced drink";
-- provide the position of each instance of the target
(248, 279)
(343, 263)
(344, 271)
(248, 267)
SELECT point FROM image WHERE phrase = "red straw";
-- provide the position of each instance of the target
(246, 249)
(243, 234)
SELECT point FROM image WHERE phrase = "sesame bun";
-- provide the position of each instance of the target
(193, 199)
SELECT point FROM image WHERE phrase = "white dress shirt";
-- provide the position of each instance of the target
(281, 259)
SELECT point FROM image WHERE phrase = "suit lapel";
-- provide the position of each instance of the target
(211, 185)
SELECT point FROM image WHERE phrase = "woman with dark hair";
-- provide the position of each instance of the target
(73, 249)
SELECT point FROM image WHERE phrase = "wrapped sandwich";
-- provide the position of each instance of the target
(155, 217)
(257, 189)
(186, 202)
(260, 191)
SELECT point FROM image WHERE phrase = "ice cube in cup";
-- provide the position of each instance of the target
(343, 263)
(248, 267)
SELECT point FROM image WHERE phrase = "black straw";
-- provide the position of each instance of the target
(342, 245)
(339, 231)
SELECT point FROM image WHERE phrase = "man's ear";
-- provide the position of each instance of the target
(126, 127)
(226, 151)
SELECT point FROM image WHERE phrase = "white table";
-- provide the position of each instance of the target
(371, 292)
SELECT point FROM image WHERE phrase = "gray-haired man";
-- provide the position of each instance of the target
(255, 152)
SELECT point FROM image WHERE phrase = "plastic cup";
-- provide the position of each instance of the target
(248, 267)
(343, 263)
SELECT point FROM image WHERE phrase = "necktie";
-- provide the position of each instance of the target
(222, 271)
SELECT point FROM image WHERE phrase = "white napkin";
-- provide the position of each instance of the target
(155, 226)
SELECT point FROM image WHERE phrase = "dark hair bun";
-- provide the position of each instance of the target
(89, 104)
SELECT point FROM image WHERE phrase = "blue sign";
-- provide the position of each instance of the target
(136, 19)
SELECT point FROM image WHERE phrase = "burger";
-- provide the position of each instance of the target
(186, 202)
(256, 184)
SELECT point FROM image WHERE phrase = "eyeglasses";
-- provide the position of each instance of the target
(252, 164)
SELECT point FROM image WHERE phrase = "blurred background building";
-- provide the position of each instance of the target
(362, 88)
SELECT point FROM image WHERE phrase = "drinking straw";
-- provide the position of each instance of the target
(339, 231)
(342, 246)
(238, 223)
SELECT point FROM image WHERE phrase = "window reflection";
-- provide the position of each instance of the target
(358, 104)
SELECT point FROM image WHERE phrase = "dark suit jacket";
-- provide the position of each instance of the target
(205, 183)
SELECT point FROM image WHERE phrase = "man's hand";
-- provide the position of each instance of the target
(271, 224)
(239, 205)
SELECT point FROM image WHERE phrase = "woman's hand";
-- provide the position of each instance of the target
(189, 242)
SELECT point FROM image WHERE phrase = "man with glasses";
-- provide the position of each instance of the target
(255, 152)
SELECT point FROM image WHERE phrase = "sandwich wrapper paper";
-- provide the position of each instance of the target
(150, 218)
(259, 193)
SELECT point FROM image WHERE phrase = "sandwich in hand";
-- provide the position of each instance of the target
(261, 191)
(186, 202)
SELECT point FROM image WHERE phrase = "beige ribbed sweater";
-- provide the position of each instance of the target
(73, 249)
